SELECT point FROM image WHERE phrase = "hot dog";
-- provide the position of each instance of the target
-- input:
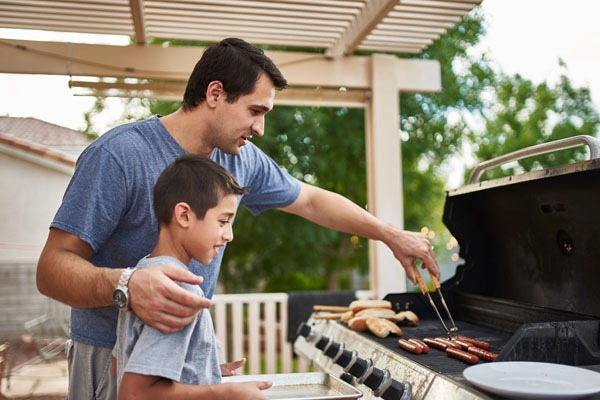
(449, 343)
(464, 345)
(435, 344)
(483, 354)
(409, 346)
(462, 355)
(424, 347)
(479, 343)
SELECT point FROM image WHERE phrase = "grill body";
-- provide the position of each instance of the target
(528, 283)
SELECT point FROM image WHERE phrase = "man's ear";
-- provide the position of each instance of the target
(213, 92)
(182, 214)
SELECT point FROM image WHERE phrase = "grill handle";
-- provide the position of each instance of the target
(562, 144)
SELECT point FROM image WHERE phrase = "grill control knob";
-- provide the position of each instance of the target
(333, 350)
(375, 379)
(396, 391)
(344, 359)
(346, 377)
(359, 367)
(323, 343)
(304, 330)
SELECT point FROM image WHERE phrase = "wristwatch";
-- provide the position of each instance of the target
(121, 293)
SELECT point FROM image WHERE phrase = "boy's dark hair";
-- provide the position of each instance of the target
(195, 180)
(237, 65)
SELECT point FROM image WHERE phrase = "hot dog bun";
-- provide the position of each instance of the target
(358, 305)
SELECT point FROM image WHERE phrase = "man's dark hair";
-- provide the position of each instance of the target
(237, 65)
(195, 180)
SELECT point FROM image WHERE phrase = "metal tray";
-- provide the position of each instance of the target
(302, 386)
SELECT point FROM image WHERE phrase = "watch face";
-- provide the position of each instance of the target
(120, 298)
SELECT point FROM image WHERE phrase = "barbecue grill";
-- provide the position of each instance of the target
(528, 285)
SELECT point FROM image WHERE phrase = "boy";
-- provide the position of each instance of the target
(195, 200)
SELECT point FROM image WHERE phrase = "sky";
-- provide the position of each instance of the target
(524, 36)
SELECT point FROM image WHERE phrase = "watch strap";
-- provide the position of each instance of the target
(123, 288)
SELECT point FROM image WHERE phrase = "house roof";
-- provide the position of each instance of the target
(42, 132)
(42, 138)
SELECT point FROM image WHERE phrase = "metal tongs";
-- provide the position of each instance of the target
(425, 291)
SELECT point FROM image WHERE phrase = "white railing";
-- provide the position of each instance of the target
(254, 326)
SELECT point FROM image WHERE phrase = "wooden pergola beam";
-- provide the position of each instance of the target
(370, 16)
(176, 63)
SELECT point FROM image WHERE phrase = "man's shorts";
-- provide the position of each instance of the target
(90, 372)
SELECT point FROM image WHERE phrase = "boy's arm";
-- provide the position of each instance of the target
(137, 386)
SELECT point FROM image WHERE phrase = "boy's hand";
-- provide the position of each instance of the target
(229, 369)
(160, 302)
(247, 390)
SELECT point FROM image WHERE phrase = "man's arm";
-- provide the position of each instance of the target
(334, 211)
(65, 274)
(136, 386)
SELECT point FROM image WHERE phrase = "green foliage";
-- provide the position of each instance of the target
(320, 146)
(526, 114)
(436, 129)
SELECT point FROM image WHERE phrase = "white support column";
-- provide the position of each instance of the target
(384, 171)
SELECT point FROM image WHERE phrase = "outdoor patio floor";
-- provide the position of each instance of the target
(39, 380)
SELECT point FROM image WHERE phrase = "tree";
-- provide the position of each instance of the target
(525, 114)
(436, 128)
(321, 146)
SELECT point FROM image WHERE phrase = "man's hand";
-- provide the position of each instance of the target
(229, 369)
(160, 302)
(408, 247)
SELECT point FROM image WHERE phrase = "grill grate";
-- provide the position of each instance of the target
(437, 360)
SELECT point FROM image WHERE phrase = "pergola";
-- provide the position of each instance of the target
(322, 70)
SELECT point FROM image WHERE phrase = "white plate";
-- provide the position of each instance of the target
(534, 380)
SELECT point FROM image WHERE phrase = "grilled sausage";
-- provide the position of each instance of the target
(476, 342)
(435, 344)
(424, 347)
(410, 346)
(483, 354)
(449, 343)
(462, 355)
(464, 345)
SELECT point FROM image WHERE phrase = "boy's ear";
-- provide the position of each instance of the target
(182, 214)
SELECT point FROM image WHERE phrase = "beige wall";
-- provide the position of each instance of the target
(31, 189)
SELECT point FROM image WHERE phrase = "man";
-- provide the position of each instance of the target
(106, 223)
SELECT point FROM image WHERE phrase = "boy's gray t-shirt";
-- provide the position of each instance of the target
(189, 356)
(108, 204)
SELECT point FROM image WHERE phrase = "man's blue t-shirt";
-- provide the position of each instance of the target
(108, 204)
